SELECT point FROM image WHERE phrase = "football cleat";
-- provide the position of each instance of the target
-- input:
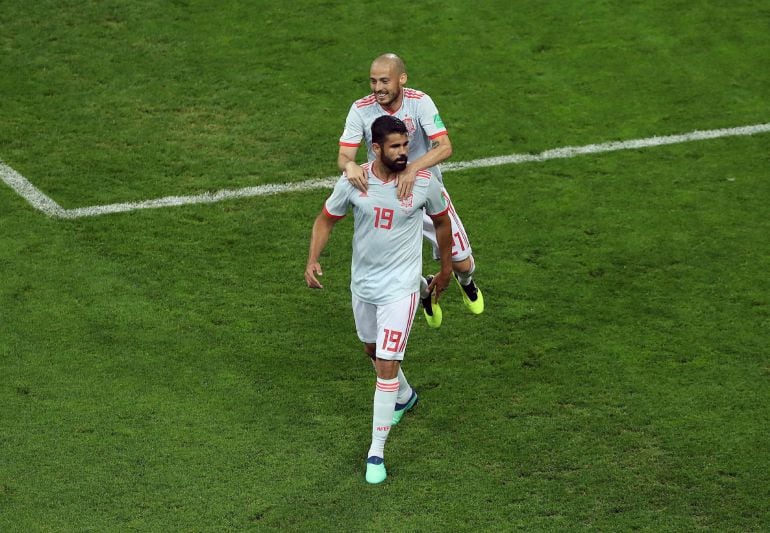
(472, 297)
(375, 470)
(430, 308)
(401, 409)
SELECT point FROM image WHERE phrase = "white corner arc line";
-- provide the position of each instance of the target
(43, 203)
(29, 192)
(204, 198)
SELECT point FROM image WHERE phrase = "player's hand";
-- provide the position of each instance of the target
(356, 176)
(406, 182)
(439, 284)
(311, 271)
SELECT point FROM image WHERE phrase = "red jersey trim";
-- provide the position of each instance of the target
(333, 217)
(439, 134)
(365, 101)
(444, 212)
(351, 145)
(413, 93)
(371, 99)
(423, 174)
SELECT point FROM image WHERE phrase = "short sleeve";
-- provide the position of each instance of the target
(336, 205)
(436, 203)
(354, 129)
(429, 117)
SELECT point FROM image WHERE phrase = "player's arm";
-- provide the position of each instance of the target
(440, 150)
(444, 239)
(350, 140)
(346, 161)
(322, 229)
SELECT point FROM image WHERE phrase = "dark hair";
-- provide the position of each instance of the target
(384, 126)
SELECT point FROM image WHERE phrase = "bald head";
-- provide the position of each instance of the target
(386, 78)
(391, 62)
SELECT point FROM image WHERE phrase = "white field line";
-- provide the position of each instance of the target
(40, 201)
(29, 192)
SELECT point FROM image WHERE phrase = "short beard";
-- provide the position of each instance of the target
(388, 103)
(395, 165)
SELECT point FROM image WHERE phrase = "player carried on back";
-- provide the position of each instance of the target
(429, 145)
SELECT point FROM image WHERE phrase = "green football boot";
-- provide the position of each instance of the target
(375, 470)
(401, 409)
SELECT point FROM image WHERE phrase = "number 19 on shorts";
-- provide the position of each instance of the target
(391, 341)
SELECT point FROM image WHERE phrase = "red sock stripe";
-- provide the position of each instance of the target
(387, 387)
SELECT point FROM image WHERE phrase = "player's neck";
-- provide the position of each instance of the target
(383, 173)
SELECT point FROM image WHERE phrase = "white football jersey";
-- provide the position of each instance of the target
(387, 234)
(417, 112)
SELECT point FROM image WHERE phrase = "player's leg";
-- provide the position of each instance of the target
(394, 322)
(407, 396)
(406, 399)
(472, 296)
(463, 263)
(365, 315)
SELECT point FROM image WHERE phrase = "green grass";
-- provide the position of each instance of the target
(167, 370)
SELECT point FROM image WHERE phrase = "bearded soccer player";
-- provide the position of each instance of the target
(429, 145)
(386, 268)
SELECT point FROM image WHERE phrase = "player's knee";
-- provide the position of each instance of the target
(386, 368)
(463, 266)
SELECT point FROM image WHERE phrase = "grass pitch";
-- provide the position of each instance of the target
(167, 369)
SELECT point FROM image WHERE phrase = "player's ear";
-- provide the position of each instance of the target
(402, 79)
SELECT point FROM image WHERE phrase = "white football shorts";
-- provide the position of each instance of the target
(387, 326)
(461, 245)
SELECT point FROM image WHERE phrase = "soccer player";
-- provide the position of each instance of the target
(386, 268)
(429, 145)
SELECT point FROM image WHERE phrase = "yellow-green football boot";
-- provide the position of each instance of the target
(472, 297)
(431, 308)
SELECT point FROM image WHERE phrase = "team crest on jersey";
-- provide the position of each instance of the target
(408, 202)
(409, 123)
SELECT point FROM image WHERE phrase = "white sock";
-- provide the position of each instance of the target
(466, 277)
(384, 404)
(404, 390)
